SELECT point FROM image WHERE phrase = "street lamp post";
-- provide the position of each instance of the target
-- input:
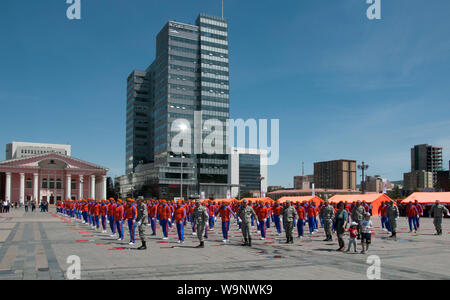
(260, 179)
(181, 186)
(363, 167)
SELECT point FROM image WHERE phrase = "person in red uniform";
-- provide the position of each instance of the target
(152, 215)
(301, 219)
(411, 213)
(277, 210)
(225, 212)
(118, 218)
(262, 214)
(111, 209)
(164, 217)
(420, 213)
(311, 214)
(103, 214)
(96, 213)
(211, 212)
(130, 216)
(179, 216)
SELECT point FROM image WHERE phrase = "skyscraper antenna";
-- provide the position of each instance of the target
(303, 168)
(222, 9)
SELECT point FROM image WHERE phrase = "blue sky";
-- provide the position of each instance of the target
(342, 86)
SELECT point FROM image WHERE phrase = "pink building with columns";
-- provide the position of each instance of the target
(51, 177)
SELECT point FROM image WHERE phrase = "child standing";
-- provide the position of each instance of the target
(366, 237)
(353, 230)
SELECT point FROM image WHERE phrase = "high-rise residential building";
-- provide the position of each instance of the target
(24, 149)
(248, 171)
(426, 158)
(443, 181)
(336, 174)
(376, 184)
(189, 80)
(303, 182)
(418, 180)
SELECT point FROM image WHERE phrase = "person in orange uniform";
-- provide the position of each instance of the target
(130, 216)
(262, 214)
(311, 214)
(96, 213)
(301, 219)
(164, 217)
(277, 210)
(118, 218)
(103, 214)
(179, 216)
(225, 212)
(111, 209)
(152, 214)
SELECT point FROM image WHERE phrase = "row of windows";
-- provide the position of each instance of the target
(183, 87)
(215, 72)
(220, 28)
(205, 107)
(26, 151)
(183, 49)
(174, 28)
(214, 63)
(215, 90)
(183, 68)
(184, 59)
(214, 36)
(52, 184)
(196, 42)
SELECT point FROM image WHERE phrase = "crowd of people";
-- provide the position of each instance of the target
(5, 206)
(250, 216)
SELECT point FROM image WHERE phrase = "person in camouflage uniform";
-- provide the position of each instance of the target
(438, 211)
(357, 216)
(141, 221)
(392, 213)
(245, 213)
(200, 218)
(327, 213)
(289, 216)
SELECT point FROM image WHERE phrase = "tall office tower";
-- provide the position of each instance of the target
(189, 79)
(336, 174)
(427, 158)
(139, 130)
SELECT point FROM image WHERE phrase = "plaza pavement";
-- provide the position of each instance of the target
(37, 245)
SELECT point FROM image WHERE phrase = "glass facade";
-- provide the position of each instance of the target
(189, 75)
(250, 172)
(139, 133)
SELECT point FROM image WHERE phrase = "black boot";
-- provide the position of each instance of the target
(201, 245)
(249, 242)
(245, 243)
(143, 246)
(288, 240)
(291, 240)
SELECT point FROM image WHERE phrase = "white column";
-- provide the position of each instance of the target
(80, 188)
(22, 188)
(103, 188)
(68, 186)
(35, 186)
(92, 186)
(8, 187)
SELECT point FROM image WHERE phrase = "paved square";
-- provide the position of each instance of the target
(37, 245)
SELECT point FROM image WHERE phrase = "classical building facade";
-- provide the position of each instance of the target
(51, 177)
